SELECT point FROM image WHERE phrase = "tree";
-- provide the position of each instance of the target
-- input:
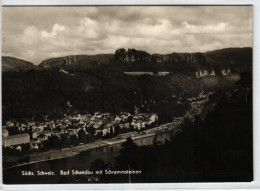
(42, 136)
(82, 136)
(98, 164)
(73, 140)
(13, 130)
(54, 141)
(245, 84)
(117, 130)
(91, 130)
(128, 157)
(155, 141)
(46, 145)
(64, 140)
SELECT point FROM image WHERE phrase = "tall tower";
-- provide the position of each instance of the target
(136, 111)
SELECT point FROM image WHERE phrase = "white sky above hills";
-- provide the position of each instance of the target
(38, 33)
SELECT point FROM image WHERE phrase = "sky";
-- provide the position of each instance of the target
(38, 33)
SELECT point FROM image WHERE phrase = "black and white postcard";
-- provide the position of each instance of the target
(127, 94)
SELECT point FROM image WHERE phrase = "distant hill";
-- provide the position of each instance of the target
(234, 59)
(227, 55)
(76, 62)
(238, 57)
(15, 64)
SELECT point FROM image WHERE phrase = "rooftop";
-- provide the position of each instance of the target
(18, 136)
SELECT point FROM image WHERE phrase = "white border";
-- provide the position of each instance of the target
(255, 185)
(127, 2)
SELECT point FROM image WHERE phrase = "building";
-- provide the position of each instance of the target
(125, 116)
(35, 128)
(34, 146)
(105, 131)
(5, 133)
(97, 124)
(118, 119)
(74, 130)
(212, 73)
(136, 111)
(124, 125)
(44, 134)
(16, 140)
(154, 117)
(138, 125)
(31, 123)
(19, 148)
(82, 123)
(57, 133)
(9, 124)
(108, 128)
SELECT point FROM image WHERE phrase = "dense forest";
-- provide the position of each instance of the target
(34, 94)
(38, 93)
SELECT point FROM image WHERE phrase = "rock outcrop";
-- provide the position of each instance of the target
(132, 55)
(70, 60)
(219, 62)
(62, 61)
(204, 73)
(77, 61)
(225, 72)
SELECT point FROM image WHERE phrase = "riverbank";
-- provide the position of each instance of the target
(70, 152)
(174, 127)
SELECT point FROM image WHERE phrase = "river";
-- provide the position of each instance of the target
(81, 161)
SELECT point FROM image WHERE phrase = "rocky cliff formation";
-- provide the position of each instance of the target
(219, 62)
(132, 55)
(204, 73)
(85, 61)
(62, 61)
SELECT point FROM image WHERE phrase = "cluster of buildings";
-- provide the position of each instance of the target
(202, 95)
(204, 73)
(34, 133)
(142, 120)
